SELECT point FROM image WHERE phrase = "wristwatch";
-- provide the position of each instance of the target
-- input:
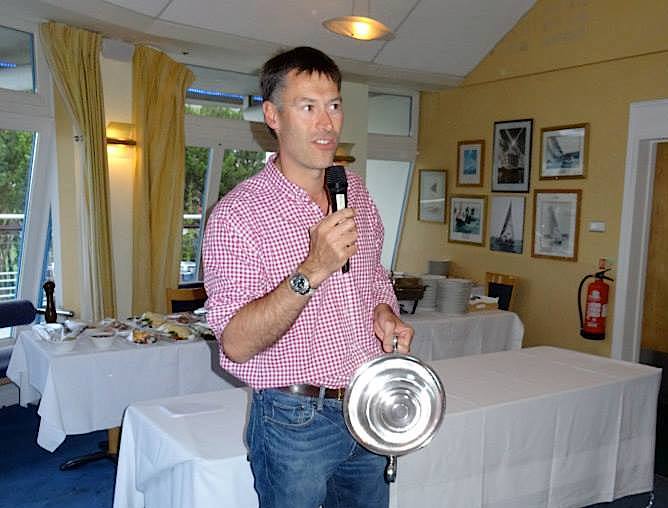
(300, 284)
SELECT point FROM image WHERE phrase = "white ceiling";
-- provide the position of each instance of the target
(437, 42)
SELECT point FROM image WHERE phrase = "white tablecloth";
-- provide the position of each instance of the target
(88, 389)
(538, 427)
(439, 336)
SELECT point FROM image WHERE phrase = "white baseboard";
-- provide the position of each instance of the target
(9, 395)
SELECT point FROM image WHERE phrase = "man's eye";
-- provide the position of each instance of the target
(308, 107)
(336, 106)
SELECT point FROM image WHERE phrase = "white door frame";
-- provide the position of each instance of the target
(648, 125)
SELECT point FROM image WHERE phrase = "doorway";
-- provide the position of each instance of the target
(654, 341)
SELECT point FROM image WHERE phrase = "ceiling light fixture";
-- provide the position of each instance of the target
(362, 28)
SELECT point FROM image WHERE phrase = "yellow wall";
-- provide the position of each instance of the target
(589, 47)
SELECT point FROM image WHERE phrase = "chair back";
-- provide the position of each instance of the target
(16, 313)
(185, 299)
(501, 285)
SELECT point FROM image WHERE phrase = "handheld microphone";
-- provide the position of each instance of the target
(337, 186)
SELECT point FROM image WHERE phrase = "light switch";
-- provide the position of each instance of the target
(597, 227)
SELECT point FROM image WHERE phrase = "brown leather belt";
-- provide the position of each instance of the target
(314, 391)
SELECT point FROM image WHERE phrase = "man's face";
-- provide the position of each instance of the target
(307, 119)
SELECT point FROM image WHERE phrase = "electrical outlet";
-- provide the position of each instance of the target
(597, 227)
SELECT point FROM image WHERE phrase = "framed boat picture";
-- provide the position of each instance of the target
(467, 219)
(563, 151)
(432, 186)
(506, 224)
(556, 219)
(511, 156)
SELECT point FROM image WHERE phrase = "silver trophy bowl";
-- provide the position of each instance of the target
(394, 405)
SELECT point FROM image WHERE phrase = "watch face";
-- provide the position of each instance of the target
(300, 284)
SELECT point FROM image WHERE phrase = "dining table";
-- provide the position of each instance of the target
(88, 388)
(439, 335)
(538, 427)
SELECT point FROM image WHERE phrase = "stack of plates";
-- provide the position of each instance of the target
(454, 295)
(430, 299)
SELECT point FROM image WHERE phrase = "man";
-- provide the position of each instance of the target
(290, 323)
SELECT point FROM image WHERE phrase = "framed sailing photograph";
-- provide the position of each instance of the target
(467, 219)
(470, 160)
(556, 218)
(511, 156)
(506, 224)
(563, 151)
(432, 187)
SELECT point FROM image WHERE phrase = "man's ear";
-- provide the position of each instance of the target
(270, 114)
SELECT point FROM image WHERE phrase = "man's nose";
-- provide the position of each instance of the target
(325, 121)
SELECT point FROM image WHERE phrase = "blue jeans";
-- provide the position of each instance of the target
(303, 456)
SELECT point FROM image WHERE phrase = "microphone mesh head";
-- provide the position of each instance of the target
(335, 178)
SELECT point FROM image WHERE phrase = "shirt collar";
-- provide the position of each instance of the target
(278, 181)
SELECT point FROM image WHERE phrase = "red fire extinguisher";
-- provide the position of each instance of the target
(593, 326)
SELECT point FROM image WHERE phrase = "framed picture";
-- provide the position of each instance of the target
(556, 218)
(432, 195)
(467, 219)
(506, 224)
(563, 151)
(511, 158)
(470, 160)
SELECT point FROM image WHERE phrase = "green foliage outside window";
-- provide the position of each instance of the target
(16, 150)
(237, 166)
(216, 111)
(15, 156)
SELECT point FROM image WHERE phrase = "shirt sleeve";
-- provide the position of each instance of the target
(233, 273)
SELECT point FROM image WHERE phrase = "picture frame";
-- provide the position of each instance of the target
(506, 224)
(432, 191)
(470, 163)
(564, 151)
(467, 219)
(511, 156)
(556, 219)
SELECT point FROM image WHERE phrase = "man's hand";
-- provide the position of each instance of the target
(333, 241)
(386, 326)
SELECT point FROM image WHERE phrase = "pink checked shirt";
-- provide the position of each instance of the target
(256, 236)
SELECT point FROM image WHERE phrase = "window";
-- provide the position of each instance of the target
(388, 183)
(391, 154)
(221, 94)
(16, 60)
(390, 114)
(16, 154)
(27, 153)
(205, 164)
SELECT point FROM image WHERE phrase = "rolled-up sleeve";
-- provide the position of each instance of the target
(233, 273)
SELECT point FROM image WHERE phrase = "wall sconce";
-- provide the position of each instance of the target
(120, 133)
(343, 155)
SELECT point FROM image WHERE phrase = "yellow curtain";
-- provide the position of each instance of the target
(74, 58)
(159, 87)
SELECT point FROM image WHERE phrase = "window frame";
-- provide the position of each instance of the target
(392, 147)
(218, 135)
(34, 112)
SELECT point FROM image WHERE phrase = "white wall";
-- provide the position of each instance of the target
(117, 82)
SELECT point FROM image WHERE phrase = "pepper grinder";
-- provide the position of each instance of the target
(50, 311)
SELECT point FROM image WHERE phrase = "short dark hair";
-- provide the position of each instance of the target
(300, 59)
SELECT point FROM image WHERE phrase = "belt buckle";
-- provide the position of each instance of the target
(340, 392)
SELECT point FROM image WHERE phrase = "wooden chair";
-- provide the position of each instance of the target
(185, 299)
(501, 285)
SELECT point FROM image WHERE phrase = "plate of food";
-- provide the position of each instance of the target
(144, 336)
(178, 332)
